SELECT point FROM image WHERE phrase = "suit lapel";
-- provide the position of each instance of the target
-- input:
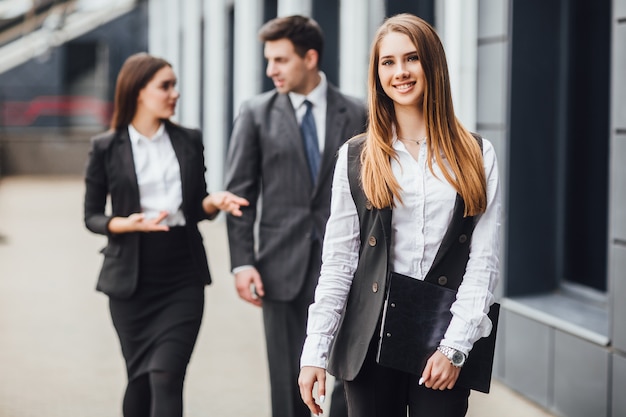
(287, 124)
(182, 151)
(336, 119)
(128, 166)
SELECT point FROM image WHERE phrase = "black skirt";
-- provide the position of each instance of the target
(159, 324)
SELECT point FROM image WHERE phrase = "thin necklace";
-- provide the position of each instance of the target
(418, 141)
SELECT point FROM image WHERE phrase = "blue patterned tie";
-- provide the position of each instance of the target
(311, 144)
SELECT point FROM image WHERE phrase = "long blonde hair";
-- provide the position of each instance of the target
(445, 133)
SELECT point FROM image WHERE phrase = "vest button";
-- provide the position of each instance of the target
(375, 287)
(442, 280)
(368, 205)
(388, 334)
(463, 238)
(372, 241)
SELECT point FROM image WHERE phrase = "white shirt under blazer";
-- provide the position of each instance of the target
(418, 227)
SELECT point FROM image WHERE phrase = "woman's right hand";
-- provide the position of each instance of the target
(137, 222)
(309, 375)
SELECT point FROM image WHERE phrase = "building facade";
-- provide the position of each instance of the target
(544, 81)
(57, 79)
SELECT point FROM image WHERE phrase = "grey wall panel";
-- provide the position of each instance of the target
(581, 377)
(617, 278)
(527, 347)
(619, 9)
(498, 138)
(619, 382)
(618, 87)
(617, 228)
(491, 84)
(492, 18)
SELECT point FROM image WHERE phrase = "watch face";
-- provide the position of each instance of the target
(458, 358)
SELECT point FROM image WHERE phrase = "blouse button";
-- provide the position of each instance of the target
(375, 287)
(372, 241)
(463, 238)
(442, 280)
(368, 205)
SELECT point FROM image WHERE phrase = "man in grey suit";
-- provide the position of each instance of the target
(281, 159)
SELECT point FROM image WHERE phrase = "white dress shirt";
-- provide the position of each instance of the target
(418, 228)
(317, 97)
(158, 175)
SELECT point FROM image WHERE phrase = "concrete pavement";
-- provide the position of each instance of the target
(59, 356)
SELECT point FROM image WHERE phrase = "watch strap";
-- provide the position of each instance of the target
(450, 352)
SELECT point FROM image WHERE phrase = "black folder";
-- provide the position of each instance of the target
(415, 318)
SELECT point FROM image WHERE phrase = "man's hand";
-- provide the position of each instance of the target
(249, 286)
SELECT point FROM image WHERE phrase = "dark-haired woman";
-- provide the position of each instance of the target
(155, 266)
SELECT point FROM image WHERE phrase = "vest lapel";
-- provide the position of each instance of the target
(453, 231)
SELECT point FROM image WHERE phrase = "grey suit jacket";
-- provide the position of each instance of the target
(111, 172)
(267, 165)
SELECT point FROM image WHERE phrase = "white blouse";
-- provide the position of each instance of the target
(158, 175)
(418, 228)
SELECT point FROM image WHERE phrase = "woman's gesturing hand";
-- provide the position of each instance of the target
(137, 222)
(225, 201)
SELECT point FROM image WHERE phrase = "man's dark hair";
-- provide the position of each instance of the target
(302, 31)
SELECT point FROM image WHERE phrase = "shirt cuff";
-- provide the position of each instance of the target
(315, 351)
(461, 336)
(241, 268)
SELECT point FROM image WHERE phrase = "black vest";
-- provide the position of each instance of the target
(367, 293)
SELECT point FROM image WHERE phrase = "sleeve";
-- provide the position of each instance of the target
(201, 186)
(475, 296)
(96, 190)
(339, 261)
(243, 179)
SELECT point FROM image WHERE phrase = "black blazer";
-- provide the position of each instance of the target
(111, 172)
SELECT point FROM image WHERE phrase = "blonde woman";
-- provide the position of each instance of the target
(411, 164)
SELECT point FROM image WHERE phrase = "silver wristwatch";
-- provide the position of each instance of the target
(457, 358)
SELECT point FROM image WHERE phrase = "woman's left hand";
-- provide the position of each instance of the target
(439, 372)
(225, 201)
(309, 375)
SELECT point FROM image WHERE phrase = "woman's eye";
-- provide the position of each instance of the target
(387, 62)
(413, 58)
(168, 85)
